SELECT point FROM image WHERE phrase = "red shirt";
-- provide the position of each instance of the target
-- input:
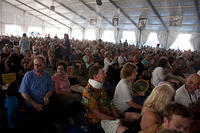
(63, 82)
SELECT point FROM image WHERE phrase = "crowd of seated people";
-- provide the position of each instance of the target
(98, 67)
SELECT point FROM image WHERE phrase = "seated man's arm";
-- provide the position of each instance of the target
(134, 105)
(62, 45)
(102, 116)
(114, 112)
(50, 91)
(7, 69)
(47, 96)
(143, 73)
(28, 98)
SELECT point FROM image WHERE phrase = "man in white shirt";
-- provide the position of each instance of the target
(24, 43)
(108, 61)
(189, 94)
(122, 59)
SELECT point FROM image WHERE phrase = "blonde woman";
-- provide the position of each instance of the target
(155, 102)
(123, 97)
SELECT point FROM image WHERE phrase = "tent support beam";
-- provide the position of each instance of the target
(197, 10)
(158, 15)
(93, 10)
(81, 16)
(29, 13)
(167, 40)
(124, 13)
(140, 31)
(42, 13)
(1, 8)
(59, 14)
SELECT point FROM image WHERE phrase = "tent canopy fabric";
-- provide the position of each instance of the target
(78, 13)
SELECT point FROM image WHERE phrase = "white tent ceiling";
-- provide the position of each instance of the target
(77, 13)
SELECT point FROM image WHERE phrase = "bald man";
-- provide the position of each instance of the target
(189, 94)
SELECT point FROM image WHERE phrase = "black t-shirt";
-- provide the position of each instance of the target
(2, 68)
(6, 41)
(141, 68)
(3, 55)
(113, 75)
(14, 62)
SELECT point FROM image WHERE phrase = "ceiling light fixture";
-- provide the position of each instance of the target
(52, 7)
(99, 2)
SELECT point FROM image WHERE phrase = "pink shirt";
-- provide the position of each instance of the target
(63, 82)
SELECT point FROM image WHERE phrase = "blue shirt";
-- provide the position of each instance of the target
(145, 62)
(35, 86)
(66, 52)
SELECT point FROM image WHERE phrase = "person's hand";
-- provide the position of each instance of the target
(152, 62)
(6, 59)
(115, 115)
(46, 100)
(116, 57)
(38, 107)
(4, 87)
